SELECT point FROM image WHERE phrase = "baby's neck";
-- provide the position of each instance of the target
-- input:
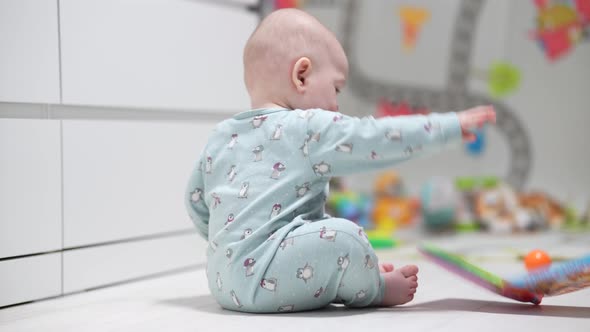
(267, 105)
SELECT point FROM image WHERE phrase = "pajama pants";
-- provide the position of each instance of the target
(303, 266)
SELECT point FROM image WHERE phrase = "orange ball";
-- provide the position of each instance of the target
(537, 259)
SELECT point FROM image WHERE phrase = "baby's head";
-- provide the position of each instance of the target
(293, 61)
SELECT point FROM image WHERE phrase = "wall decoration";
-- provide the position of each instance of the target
(412, 19)
(561, 25)
(455, 95)
(502, 79)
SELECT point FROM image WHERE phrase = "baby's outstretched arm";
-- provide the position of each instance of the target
(340, 145)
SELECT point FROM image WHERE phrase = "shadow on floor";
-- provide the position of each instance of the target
(206, 303)
(494, 307)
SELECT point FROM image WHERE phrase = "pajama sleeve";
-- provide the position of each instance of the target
(340, 145)
(195, 202)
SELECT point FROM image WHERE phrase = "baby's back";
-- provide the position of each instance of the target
(257, 176)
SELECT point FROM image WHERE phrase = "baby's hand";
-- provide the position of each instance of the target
(475, 118)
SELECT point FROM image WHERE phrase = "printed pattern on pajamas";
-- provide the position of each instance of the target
(258, 193)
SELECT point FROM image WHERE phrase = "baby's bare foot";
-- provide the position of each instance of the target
(400, 285)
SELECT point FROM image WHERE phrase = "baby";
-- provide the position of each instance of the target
(258, 192)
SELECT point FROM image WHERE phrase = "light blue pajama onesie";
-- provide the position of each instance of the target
(258, 194)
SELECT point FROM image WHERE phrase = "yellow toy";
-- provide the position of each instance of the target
(392, 209)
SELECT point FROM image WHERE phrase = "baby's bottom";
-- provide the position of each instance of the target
(318, 263)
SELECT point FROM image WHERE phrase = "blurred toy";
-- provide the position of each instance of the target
(494, 209)
(498, 210)
(347, 204)
(468, 189)
(381, 239)
(388, 184)
(280, 4)
(476, 148)
(337, 184)
(585, 219)
(439, 204)
(551, 211)
(586, 216)
(392, 207)
(559, 279)
(486, 202)
(390, 108)
(537, 259)
(577, 222)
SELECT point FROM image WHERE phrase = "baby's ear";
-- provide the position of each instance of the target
(301, 70)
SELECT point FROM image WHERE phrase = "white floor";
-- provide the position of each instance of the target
(181, 302)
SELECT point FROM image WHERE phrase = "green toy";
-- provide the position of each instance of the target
(381, 240)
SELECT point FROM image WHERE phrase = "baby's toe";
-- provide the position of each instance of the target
(409, 270)
(385, 267)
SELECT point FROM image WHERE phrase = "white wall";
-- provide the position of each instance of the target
(104, 108)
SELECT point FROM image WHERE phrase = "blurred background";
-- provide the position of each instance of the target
(105, 106)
